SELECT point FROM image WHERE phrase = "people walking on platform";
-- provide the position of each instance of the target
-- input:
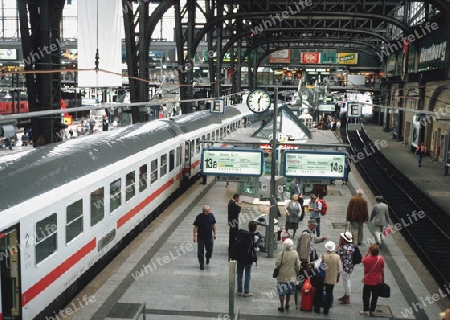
(293, 214)
(105, 123)
(245, 258)
(305, 244)
(289, 266)
(331, 261)
(347, 172)
(345, 251)
(91, 126)
(373, 276)
(234, 208)
(314, 208)
(294, 187)
(380, 217)
(320, 190)
(357, 214)
(421, 150)
(204, 231)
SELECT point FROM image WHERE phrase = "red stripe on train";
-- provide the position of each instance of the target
(51, 277)
(124, 219)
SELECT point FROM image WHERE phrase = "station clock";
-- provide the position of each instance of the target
(258, 100)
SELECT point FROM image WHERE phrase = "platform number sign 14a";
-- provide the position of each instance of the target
(335, 167)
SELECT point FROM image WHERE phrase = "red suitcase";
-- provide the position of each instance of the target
(307, 296)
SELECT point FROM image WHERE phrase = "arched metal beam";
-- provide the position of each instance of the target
(313, 15)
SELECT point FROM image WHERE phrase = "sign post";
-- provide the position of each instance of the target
(273, 212)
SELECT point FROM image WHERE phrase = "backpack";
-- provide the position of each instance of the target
(244, 247)
(356, 257)
(324, 206)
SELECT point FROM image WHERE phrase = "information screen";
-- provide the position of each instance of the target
(232, 161)
(315, 164)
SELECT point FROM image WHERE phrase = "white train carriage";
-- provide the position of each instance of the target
(63, 207)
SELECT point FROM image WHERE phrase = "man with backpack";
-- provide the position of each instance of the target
(245, 256)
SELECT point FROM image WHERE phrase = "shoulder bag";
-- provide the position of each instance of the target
(384, 290)
(276, 271)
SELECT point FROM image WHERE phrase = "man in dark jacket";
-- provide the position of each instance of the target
(234, 208)
(204, 229)
(357, 214)
(245, 257)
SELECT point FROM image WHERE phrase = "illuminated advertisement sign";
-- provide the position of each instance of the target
(347, 58)
(280, 56)
(310, 57)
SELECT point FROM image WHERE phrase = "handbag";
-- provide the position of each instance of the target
(387, 231)
(276, 271)
(384, 290)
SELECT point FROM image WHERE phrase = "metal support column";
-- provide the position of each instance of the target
(273, 198)
(220, 8)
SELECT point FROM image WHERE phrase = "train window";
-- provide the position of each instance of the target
(142, 178)
(217, 134)
(115, 195)
(97, 206)
(154, 174)
(171, 160)
(197, 145)
(74, 220)
(178, 157)
(130, 186)
(46, 237)
(163, 169)
(213, 135)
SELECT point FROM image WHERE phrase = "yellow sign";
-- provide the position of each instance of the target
(347, 58)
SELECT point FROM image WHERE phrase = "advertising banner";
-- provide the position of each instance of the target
(310, 57)
(347, 58)
(8, 54)
(99, 29)
(280, 56)
(328, 57)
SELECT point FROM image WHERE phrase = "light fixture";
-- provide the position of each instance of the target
(7, 96)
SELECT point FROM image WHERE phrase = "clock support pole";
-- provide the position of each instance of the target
(273, 198)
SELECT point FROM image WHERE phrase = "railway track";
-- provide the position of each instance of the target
(424, 224)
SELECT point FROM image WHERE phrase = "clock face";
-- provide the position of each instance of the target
(258, 101)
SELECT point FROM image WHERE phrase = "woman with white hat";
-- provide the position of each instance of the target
(345, 251)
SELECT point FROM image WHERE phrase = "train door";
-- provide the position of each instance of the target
(10, 274)
(188, 151)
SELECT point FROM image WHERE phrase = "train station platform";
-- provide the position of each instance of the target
(160, 267)
(429, 177)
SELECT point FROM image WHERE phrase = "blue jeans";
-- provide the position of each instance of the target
(203, 245)
(240, 273)
(419, 160)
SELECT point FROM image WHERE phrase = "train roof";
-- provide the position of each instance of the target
(200, 119)
(26, 174)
